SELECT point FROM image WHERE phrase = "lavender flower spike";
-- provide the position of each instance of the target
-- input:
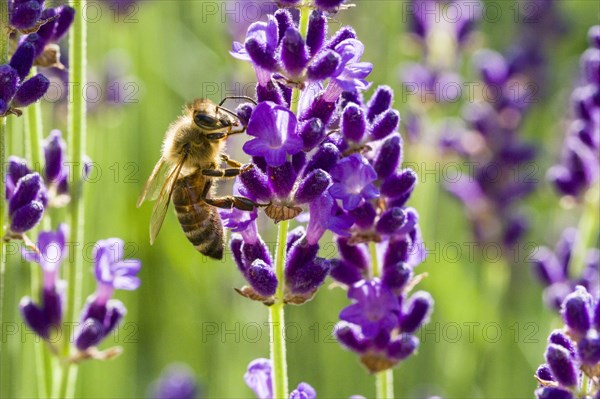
(573, 351)
(50, 255)
(258, 377)
(177, 381)
(101, 314)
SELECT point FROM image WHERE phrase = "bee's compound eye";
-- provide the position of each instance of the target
(205, 120)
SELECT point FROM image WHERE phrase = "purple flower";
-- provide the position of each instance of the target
(177, 381)
(353, 177)
(258, 377)
(569, 356)
(274, 127)
(375, 310)
(112, 271)
(101, 315)
(50, 254)
(25, 14)
(303, 391)
(325, 215)
(54, 154)
(16, 91)
(46, 316)
(27, 202)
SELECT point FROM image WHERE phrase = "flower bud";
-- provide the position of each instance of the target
(558, 338)
(543, 373)
(261, 56)
(262, 278)
(561, 364)
(389, 157)
(22, 59)
(244, 112)
(312, 186)
(294, 54)
(576, 311)
(589, 348)
(24, 15)
(385, 124)
(391, 221)
(325, 158)
(380, 102)
(328, 5)
(54, 154)
(32, 90)
(344, 33)
(402, 347)
(396, 276)
(345, 272)
(399, 185)
(312, 133)
(419, 309)
(256, 184)
(354, 124)
(553, 393)
(350, 337)
(317, 31)
(281, 179)
(9, 77)
(284, 21)
(324, 65)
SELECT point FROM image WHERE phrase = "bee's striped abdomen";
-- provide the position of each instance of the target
(200, 222)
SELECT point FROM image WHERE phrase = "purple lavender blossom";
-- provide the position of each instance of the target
(578, 167)
(572, 352)
(281, 56)
(101, 314)
(16, 90)
(177, 381)
(50, 253)
(553, 268)
(26, 202)
(258, 377)
(353, 177)
(274, 129)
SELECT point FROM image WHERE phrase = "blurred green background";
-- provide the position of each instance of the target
(481, 342)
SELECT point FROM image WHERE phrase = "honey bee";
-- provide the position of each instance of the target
(192, 154)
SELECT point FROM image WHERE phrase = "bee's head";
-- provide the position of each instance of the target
(211, 121)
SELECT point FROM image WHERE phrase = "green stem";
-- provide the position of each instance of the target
(276, 311)
(588, 230)
(384, 380)
(77, 136)
(384, 384)
(34, 129)
(3, 60)
(277, 320)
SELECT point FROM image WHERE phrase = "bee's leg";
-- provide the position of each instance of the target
(241, 203)
(229, 172)
(230, 162)
(231, 201)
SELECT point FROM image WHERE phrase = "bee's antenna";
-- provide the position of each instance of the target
(230, 112)
(253, 101)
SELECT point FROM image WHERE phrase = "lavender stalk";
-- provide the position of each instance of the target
(3, 60)
(77, 135)
(277, 319)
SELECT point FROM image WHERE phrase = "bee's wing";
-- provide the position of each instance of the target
(155, 182)
(162, 204)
